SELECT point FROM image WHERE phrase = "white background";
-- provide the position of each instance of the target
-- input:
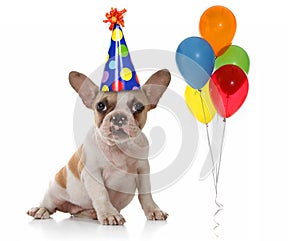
(42, 41)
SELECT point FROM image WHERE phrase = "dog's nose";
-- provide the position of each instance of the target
(119, 119)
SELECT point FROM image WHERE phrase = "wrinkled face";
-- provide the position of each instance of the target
(120, 115)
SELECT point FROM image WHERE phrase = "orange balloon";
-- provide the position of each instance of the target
(217, 26)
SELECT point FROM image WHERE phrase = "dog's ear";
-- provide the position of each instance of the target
(156, 85)
(86, 89)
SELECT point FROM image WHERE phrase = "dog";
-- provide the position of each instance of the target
(102, 176)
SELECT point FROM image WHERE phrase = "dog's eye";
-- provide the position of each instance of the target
(101, 107)
(138, 108)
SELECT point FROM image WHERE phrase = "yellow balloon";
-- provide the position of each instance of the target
(200, 103)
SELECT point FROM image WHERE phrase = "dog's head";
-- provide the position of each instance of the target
(120, 115)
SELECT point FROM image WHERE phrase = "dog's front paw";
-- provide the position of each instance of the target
(39, 213)
(111, 217)
(156, 214)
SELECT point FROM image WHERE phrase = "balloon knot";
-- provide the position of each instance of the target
(115, 17)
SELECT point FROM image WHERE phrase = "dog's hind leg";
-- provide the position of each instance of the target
(53, 198)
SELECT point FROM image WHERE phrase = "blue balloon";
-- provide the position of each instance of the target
(195, 59)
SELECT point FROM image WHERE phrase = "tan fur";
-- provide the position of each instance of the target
(108, 98)
(101, 178)
(61, 177)
(77, 162)
(82, 159)
(86, 89)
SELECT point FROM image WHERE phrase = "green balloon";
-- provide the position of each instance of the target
(234, 55)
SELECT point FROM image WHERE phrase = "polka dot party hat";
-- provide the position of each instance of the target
(119, 73)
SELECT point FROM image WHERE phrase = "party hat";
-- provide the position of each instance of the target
(119, 73)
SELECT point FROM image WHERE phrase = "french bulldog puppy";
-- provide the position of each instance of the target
(101, 178)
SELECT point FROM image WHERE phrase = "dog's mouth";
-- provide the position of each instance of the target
(118, 132)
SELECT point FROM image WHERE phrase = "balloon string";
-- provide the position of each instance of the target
(208, 141)
(221, 150)
(219, 205)
(216, 166)
(217, 224)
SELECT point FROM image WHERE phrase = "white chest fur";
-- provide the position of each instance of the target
(112, 167)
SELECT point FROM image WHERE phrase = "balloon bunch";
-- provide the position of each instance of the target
(216, 74)
(213, 67)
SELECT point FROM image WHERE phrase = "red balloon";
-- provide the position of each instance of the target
(228, 89)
